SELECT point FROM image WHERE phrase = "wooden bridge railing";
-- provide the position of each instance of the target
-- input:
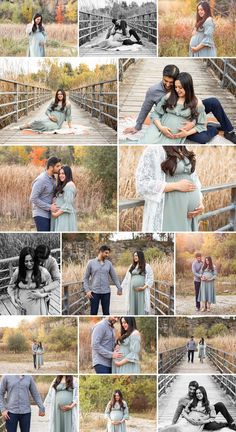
(123, 66)
(226, 70)
(90, 25)
(228, 383)
(18, 99)
(164, 381)
(170, 358)
(146, 24)
(100, 99)
(231, 226)
(224, 361)
(74, 301)
(162, 298)
(8, 266)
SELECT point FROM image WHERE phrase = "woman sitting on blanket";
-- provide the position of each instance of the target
(58, 112)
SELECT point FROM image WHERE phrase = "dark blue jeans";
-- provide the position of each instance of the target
(105, 302)
(197, 289)
(22, 419)
(42, 223)
(212, 105)
(101, 369)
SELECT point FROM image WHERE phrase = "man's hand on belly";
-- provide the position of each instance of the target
(197, 211)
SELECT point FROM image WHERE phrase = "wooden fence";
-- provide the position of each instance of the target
(231, 226)
(170, 358)
(224, 361)
(123, 66)
(18, 99)
(162, 298)
(91, 25)
(164, 381)
(225, 69)
(99, 99)
(228, 383)
(8, 266)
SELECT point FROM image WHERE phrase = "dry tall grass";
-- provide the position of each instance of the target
(61, 40)
(171, 342)
(215, 165)
(16, 208)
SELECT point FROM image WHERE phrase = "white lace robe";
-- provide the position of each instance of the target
(150, 185)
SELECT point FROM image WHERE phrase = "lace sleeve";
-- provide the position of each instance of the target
(150, 179)
(197, 182)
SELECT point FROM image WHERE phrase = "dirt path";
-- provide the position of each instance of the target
(225, 305)
(27, 367)
(134, 424)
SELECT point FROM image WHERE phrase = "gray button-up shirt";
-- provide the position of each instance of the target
(196, 268)
(53, 269)
(42, 195)
(103, 343)
(97, 275)
(153, 96)
(18, 389)
(191, 345)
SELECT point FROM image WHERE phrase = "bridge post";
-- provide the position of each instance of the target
(160, 366)
(101, 98)
(66, 300)
(156, 295)
(16, 90)
(171, 295)
(93, 104)
(233, 212)
(90, 27)
(27, 99)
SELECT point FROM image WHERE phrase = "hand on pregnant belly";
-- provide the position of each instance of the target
(197, 211)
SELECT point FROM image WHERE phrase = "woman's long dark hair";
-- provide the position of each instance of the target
(202, 341)
(113, 400)
(207, 9)
(141, 262)
(175, 153)
(205, 401)
(40, 26)
(36, 275)
(191, 100)
(210, 265)
(69, 177)
(56, 101)
(131, 327)
(69, 382)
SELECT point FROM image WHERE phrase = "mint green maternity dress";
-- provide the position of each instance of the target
(116, 413)
(66, 202)
(63, 420)
(130, 349)
(48, 125)
(207, 288)
(137, 298)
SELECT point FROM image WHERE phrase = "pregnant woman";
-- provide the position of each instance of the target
(202, 43)
(172, 112)
(207, 293)
(58, 112)
(39, 355)
(129, 345)
(166, 178)
(198, 410)
(136, 284)
(64, 219)
(37, 37)
(26, 287)
(63, 398)
(116, 413)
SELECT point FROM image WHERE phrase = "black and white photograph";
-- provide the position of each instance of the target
(115, 27)
(191, 404)
(30, 278)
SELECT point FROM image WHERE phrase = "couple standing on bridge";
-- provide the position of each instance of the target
(136, 283)
(194, 413)
(118, 36)
(192, 347)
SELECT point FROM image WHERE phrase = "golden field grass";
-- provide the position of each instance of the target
(171, 342)
(61, 40)
(175, 33)
(148, 360)
(215, 165)
(15, 212)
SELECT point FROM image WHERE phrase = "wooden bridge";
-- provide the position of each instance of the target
(94, 109)
(93, 29)
(7, 268)
(143, 73)
(74, 301)
(220, 388)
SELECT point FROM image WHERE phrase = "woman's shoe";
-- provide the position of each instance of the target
(203, 310)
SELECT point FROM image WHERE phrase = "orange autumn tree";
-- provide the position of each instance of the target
(59, 13)
(36, 156)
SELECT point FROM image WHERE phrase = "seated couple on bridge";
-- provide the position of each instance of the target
(194, 413)
(179, 114)
(118, 35)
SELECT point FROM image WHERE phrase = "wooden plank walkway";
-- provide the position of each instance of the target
(146, 50)
(146, 72)
(98, 133)
(117, 303)
(8, 308)
(179, 388)
(195, 367)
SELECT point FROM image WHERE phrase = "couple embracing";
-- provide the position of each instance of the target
(53, 199)
(204, 282)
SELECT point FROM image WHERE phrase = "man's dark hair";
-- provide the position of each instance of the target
(198, 254)
(192, 337)
(113, 20)
(193, 384)
(52, 161)
(171, 71)
(42, 252)
(104, 248)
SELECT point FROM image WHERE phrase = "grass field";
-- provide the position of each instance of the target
(61, 40)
